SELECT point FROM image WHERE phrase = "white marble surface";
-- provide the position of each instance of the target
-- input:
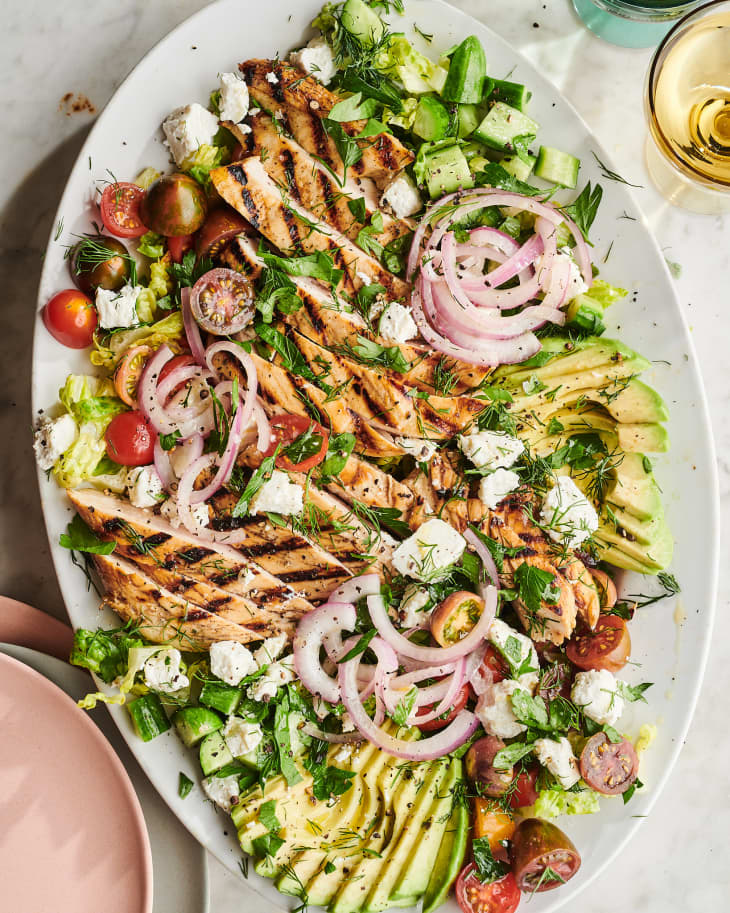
(679, 859)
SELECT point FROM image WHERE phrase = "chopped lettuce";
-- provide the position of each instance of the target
(137, 656)
(147, 177)
(168, 331)
(146, 305)
(78, 463)
(160, 282)
(417, 74)
(605, 294)
(553, 802)
(151, 245)
(326, 21)
(103, 652)
(201, 162)
(405, 118)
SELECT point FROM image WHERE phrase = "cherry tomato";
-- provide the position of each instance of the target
(179, 245)
(606, 647)
(285, 429)
(495, 663)
(459, 703)
(222, 224)
(70, 317)
(120, 205)
(175, 204)
(222, 301)
(479, 766)
(606, 588)
(608, 767)
(543, 857)
(99, 261)
(176, 362)
(473, 896)
(524, 792)
(130, 439)
(128, 372)
(455, 617)
(492, 822)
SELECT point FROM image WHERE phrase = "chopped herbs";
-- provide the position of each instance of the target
(404, 707)
(254, 484)
(79, 538)
(584, 208)
(184, 785)
(488, 869)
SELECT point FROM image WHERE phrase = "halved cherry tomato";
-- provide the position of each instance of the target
(543, 857)
(480, 769)
(459, 703)
(455, 617)
(120, 204)
(130, 439)
(495, 663)
(524, 792)
(606, 647)
(491, 822)
(179, 245)
(285, 429)
(474, 896)
(608, 767)
(222, 301)
(221, 224)
(71, 318)
(128, 372)
(176, 362)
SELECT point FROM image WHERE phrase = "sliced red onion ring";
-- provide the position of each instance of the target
(481, 680)
(163, 467)
(524, 257)
(192, 330)
(308, 640)
(227, 459)
(428, 749)
(403, 646)
(355, 588)
(456, 683)
(263, 427)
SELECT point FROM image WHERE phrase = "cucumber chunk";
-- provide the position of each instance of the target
(468, 120)
(194, 723)
(467, 72)
(446, 170)
(511, 93)
(557, 166)
(221, 696)
(517, 167)
(432, 119)
(148, 717)
(502, 124)
(214, 753)
(361, 21)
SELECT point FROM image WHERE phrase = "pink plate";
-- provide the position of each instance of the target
(24, 626)
(72, 835)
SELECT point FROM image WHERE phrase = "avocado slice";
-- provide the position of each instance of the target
(645, 437)
(449, 860)
(635, 402)
(636, 556)
(634, 489)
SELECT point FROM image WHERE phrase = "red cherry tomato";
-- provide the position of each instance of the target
(120, 204)
(71, 318)
(176, 362)
(285, 430)
(221, 224)
(523, 791)
(495, 663)
(459, 703)
(128, 373)
(130, 439)
(606, 647)
(608, 767)
(179, 245)
(473, 896)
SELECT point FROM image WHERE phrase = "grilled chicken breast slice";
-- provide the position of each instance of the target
(321, 319)
(301, 103)
(168, 555)
(510, 525)
(168, 617)
(587, 600)
(247, 187)
(312, 184)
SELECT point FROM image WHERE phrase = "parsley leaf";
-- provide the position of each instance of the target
(405, 706)
(282, 738)
(267, 845)
(267, 816)
(305, 446)
(510, 755)
(584, 208)
(168, 441)
(319, 265)
(494, 175)
(373, 353)
(535, 586)
(79, 538)
(184, 785)
(633, 693)
(291, 358)
(360, 647)
(395, 254)
(489, 869)
(255, 483)
(347, 147)
(521, 143)
(358, 209)
(353, 108)
(340, 448)
(326, 781)
(637, 784)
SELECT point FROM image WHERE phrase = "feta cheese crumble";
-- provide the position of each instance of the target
(231, 661)
(557, 756)
(421, 449)
(596, 693)
(277, 674)
(234, 98)
(316, 60)
(519, 651)
(576, 285)
(429, 551)
(117, 309)
(272, 78)
(279, 495)
(490, 450)
(401, 196)
(186, 129)
(162, 672)
(222, 790)
(397, 325)
(494, 710)
(410, 612)
(200, 513)
(53, 438)
(496, 486)
(240, 736)
(270, 649)
(143, 486)
(568, 514)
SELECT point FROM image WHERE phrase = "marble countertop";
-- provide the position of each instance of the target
(59, 63)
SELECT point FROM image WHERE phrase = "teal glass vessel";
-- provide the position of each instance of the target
(629, 24)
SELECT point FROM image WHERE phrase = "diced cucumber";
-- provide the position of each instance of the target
(557, 166)
(478, 163)
(511, 93)
(361, 21)
(221, 696)
(432, 119)
(517, 167)
(511, 226)
(214, 753)
(471, 149)
(467, 72)
(447, 170)
(148, 716)
(468, 120)
(502, 125)
(194, 723)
